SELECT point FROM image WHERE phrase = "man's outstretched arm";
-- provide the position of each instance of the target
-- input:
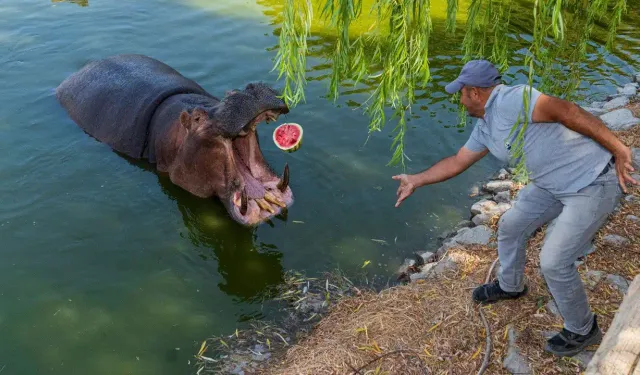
(443, 170)
(552, 109)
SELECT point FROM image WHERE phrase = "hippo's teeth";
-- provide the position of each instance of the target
(269, 197)
(284, 182)
(264, 205)
(244, 203)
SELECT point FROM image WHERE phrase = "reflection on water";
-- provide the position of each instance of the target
(82, 3)
(249, 268)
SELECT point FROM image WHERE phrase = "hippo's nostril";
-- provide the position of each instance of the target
(235, 184)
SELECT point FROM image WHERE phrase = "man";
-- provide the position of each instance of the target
(572, 160)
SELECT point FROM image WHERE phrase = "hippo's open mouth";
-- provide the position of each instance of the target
(261, 194)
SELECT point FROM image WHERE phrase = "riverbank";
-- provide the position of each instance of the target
(430, 325)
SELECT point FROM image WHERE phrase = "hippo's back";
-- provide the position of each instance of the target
(114, 99)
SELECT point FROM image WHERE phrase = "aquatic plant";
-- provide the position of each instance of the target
(399, 38)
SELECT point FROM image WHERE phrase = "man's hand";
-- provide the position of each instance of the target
(624, 165)
(443, 170)
(406, 188)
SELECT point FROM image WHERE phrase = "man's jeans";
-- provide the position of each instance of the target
(578, 216)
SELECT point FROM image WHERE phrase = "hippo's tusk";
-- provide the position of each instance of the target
(284, 182)
(264, 205)
(269, 197)
(243, 203)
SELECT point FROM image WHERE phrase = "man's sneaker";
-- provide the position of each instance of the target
(492, 292)
(568, 344)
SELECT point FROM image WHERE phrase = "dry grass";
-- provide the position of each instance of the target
(437, 326)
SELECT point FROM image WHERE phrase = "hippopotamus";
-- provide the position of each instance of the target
(144, 109)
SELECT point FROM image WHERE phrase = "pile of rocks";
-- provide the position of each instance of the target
(495, 199)
(612, 113)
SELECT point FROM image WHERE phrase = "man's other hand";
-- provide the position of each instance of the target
(624, 165)
(406, 188)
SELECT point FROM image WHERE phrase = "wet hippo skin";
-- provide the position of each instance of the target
(145, 109)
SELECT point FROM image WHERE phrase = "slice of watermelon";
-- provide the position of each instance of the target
(288, 137)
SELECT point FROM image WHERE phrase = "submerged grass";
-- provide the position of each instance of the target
(433, 327)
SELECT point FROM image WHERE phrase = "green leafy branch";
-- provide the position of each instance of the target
(399, 63)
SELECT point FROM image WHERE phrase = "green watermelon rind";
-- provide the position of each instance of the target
(297, 145)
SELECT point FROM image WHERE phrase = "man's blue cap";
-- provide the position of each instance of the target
(478, 73)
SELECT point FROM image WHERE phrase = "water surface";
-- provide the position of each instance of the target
(108, 269)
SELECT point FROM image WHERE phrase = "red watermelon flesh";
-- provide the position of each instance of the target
(287, 135)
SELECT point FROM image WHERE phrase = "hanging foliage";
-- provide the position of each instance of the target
(399, 40)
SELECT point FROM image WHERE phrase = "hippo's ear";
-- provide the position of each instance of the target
(194, 121)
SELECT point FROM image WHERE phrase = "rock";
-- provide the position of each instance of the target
(428, 256)
(434, 270)
(482, 219)
(636, 176)
(475, 190)
(590, 249)
(597, 105)
(595, 111)
(592, 278)
(633, 218)
(489, 207)
(447, 234)
(628, 90)
(485, 197)
(502, 174)
(443, 265)
(584, 357)
(404, 268)
(515, 362)
(498, 186)
(615, 240)
(620, 119)
(618, 206)
(613, 96)
(618, 102)
(238, 369)
(444, 236)
(312, 304)
(479, 235)
(483, 206)
(635, 151)
(630, 198)
(464, 224)
(553, 308)
(502, 208)
(618, 282)
(503, 197)
(636, 77)
(424, 272)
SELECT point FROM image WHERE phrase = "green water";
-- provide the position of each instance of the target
(107, 269)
